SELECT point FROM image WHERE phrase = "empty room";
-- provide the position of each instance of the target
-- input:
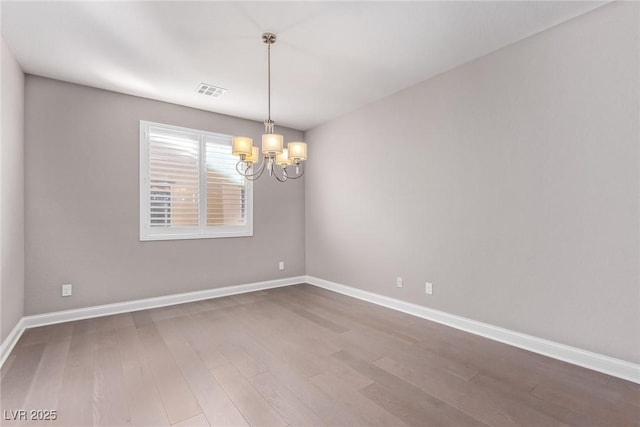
(421, 213)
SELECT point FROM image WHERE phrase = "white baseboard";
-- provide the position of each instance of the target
(128, 306)
(7, 345)
(597, 362)
(605, 364)
(144, 304)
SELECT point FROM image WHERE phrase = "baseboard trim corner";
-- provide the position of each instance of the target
(6, 347)
(587, 359)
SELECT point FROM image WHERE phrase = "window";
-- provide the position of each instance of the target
(189, 187)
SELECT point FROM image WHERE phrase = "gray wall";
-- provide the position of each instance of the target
(82, 205)
(511, 183)
(11, 193)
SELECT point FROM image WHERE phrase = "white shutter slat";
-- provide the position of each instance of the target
(175, 197)
(230, 200)
(170, 182)
(173, 134)
(173, 151)
(172, 160)
(178, 167)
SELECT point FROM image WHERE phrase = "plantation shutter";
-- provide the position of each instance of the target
(174, 178)
(226, 188)
(189, 185)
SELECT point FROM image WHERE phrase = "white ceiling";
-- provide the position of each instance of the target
(330, 57)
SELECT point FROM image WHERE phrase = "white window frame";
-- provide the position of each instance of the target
(202, 231)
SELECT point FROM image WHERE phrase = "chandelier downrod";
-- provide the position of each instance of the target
(269, 39)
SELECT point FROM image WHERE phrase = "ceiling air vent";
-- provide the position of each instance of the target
(211, 90)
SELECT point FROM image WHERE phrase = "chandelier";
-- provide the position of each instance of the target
(275, 158)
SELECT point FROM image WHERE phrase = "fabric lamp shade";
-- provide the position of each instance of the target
(271, 143)
(255, 155)
(241, 145)
(282, 159)
(297, 151)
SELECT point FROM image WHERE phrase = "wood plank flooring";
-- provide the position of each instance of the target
(295, 356)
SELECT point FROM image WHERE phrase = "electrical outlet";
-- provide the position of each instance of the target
(399, 282)
(428, 288)
(281, 265)
(67, 290)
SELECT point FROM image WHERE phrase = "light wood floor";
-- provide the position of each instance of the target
(296, 356)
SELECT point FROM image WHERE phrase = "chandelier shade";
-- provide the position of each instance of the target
(272, 143)
(282, 159)
(297, 151)
(275, 158)
(254, 157)
(241, 145)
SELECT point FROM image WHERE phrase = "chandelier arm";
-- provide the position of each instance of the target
(295, 177)
(246, 172)
(262, 168)
(299, 165)
(285, 176)
(239, 170)
(280, 179)
(260, 164)
(258, 173)
(299, 174)
(256, 176)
